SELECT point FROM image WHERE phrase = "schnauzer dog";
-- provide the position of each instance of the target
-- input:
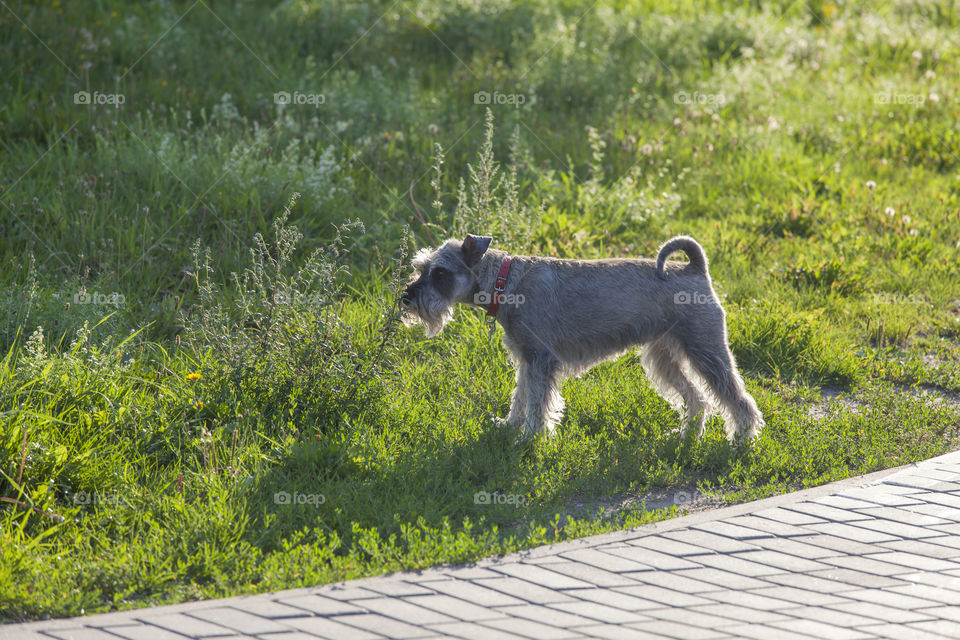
(561, 317)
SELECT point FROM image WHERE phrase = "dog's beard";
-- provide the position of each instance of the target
(432, 313)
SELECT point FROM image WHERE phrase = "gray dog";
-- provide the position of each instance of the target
(561, 317)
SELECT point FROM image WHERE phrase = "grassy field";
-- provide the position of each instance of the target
(206, 209)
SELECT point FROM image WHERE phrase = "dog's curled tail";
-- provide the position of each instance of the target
(698, 259)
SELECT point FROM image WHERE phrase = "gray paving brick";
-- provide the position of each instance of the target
(832, 616)
(937, 510)
(468, 573)
(783, 561)
(266, 608)
(858, 578)
(81, 633)
(880, 612)
(945, 628)
(347, 593)
(546, 615)
(947, 499)
(676, 581)
(788, 517)
(523, 590)
(724, 579)
(382, 625)
(751, 600)
(830, 514)
(889, 598)
(692, 616)
(707, 540)
(867, 565)
(952, 529)
(929, 592)
(942, 580)
(734, 564)
(822, 630)
(599, 612)
(857, 534)
(800, 596)
(471, 631)
(613, 598)
(145, 632)
(729, 530)
(185, 625)
(399, 588)
(617, 632)
(321, 605)
(901, 632)
(475, 593)
(930, 548)
(738, 614)
(669, 547)
(903, 516)
(883, 496)
(291, 635)
(766, 525)
(406, 611)
(665, 596)
(540, 576)
(650, 558)
(237, 620)
(591, 574)
(330, 629)
(810, 583)
(605, 561)
(915, 561)
(843, 501)
(670, 629)
(528, 629)
(763, 632)
(796, 547)
(455, 607)
(945, 612)
(840, 545)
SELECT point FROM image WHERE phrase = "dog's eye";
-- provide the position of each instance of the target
(440, 272)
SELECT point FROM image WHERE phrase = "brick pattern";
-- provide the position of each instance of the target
(880, 560)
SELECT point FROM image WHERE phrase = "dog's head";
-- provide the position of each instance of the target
(442, 277)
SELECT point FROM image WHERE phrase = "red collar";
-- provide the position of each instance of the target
(498, 288)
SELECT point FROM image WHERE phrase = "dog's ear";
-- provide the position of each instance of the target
(474, 247)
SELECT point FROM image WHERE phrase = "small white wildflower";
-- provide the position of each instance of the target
(916, 55)
(934, 98)
(929, 75)
(906, 219)
(871, 185)
(890, 211)
(646, 149)
(772, 124)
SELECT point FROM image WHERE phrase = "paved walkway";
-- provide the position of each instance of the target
(870, 557)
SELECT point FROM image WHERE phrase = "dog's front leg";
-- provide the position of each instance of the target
(518, 401)
(544, 403)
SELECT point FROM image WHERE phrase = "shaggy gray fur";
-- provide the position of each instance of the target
(561, 317)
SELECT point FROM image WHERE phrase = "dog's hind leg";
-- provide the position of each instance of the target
(662, 363)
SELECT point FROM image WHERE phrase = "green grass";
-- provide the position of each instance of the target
(152, 429)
